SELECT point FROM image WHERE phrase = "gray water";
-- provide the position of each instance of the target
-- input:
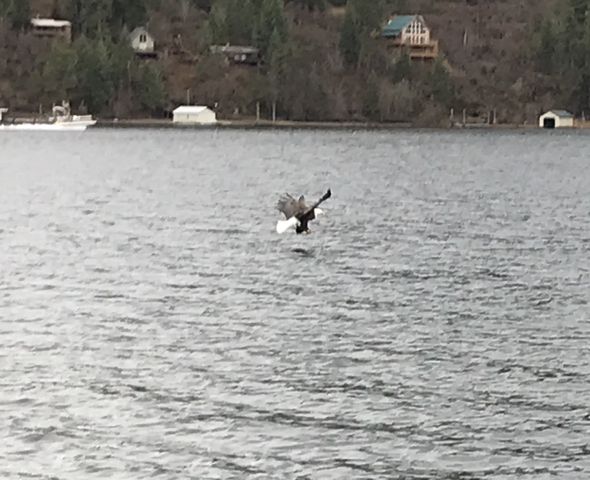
(435, 324)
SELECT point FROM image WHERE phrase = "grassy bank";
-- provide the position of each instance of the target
(252, 123)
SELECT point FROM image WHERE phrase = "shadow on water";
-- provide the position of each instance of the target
(304, 252)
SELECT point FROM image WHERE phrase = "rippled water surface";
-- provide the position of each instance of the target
(435, 324)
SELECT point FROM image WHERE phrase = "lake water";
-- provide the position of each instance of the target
(435, 324)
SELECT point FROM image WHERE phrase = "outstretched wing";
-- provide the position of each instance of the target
(289, 206)
(309, 213)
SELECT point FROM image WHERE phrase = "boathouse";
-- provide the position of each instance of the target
(556, 119)
(194, 115)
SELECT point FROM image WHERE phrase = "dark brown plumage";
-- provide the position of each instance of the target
(291, 207)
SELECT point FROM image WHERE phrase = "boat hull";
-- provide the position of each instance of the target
(58, 126)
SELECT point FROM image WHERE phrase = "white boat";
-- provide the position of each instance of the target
(61, 119)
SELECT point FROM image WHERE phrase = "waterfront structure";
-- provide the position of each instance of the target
(556, 119)
(194, 115)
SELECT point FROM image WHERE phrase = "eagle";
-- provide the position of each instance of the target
(297, 213)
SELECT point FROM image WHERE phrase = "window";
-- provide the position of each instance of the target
(143, 38)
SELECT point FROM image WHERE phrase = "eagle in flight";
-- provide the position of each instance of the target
(297, 213)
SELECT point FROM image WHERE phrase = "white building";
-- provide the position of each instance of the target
(237, 53)
(2, 112)
(194, 115)
(556, 119)
(51, 28)
(142, 42)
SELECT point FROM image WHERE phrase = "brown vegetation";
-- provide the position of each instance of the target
(486, 49)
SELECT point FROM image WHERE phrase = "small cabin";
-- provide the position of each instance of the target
(237, 54)
(51, 28)
(194, 115)
(556, 119)
(411, 34)
(142, 43)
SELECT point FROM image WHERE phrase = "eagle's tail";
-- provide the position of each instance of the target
(285, 225)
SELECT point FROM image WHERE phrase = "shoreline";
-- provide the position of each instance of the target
(248, 124)
(253, 124)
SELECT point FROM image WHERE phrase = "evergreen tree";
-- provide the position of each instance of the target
(546, 49)
(95, 85)
(350, 44)
(60, 73)
(121, 63)
(131, 13)
(203, 4)
(371, 98)
(579, 10)
(239, 18)
(149, 89)
(73, 12)
(279, 53)
(441, 87)
(19, 14)
(569, 42)
(563, 48)
(311, 4)
(368, 14)
(56, 11)
(91, 18)
(580, 96)
(402, 69)
(217, 24)
(271, 19)
(4, 6)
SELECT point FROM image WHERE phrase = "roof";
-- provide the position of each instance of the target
(234, 49)
(396, 24)
(139, 31)
(190, 109)
(50, 23)
(560, 113)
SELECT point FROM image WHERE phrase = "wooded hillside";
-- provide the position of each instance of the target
(320, 59)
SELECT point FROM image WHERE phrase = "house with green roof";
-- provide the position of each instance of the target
(410, 33)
